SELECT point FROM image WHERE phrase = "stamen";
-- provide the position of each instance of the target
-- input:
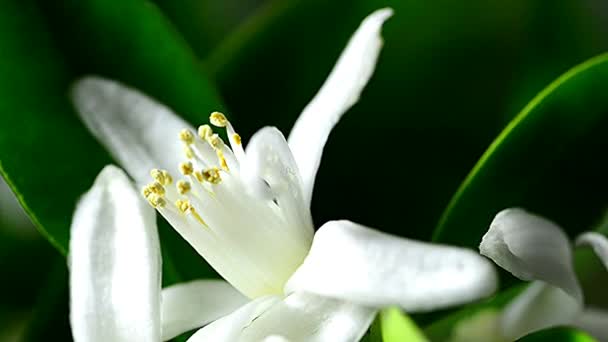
(199, 176)
(186, 168)
(161, 176)
(212, 175)
(186, 208)
(237, 138)
(218, 119)
(186, 136)
(205, 132)
(183, 187)
(156, 201)
(222, 159)
(188, 152)
(215, 141)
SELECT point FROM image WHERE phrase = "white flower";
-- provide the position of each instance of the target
(533, 248)
(247, 213)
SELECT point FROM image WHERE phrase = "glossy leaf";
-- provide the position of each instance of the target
(547, 160)
(46, 153)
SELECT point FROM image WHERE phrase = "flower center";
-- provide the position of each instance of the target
(253, 240)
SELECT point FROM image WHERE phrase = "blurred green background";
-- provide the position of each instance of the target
(450, 78)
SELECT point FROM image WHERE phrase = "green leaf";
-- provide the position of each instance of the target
(397, 326)
(561, 334)
(549, 159)
(46, 153)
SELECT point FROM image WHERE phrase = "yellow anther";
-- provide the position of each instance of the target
(205, 132)
(199, 176)
(157, 188)
(161, 176)
(183, 186)
(212, 175)
(222, 159)
(214, 140)
(237, 138)
(186, 168)
(186, 136)
(156, 201)
(218, 119)
(145, 191)
(188, 152)
(185, 207)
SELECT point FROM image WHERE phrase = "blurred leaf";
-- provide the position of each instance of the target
(131, 41)
(446, 83)
(561, 334)
(50, 318)
(548, 160)
(398, 327)
(205, 23)
(45, 152)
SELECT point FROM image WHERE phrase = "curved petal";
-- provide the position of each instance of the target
(311, 318)
(539, 307)
(299, 317)
(269, 164)
(354, 263)
(339, 92)
(193, 304)
(531, 248)
(140, 133)
(598, 242)
(114, 264)
(594, 322)
(229, 328)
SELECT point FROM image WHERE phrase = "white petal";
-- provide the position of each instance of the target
(598, 242)
(594, 322)
(191, 305)
(531, 248)
(114, 264)
(269, 163)
(355, 263)
(299, 317)
(140, 133)
(340, 91)
(539, 307)
(307, 317)
(229, 328)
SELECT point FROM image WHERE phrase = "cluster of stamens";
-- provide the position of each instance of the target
(197, 168)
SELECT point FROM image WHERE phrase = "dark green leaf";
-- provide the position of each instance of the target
(548, 160)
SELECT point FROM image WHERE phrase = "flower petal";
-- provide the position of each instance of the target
(340, 91)
(114, 264)
(311, 318)
(229, 328)
(594, 322)
(531, 248)
(269, 163)
(598, 242)
(299, 317)
(539, 307)
(354, 263)
(191, 305)
(140, 133)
